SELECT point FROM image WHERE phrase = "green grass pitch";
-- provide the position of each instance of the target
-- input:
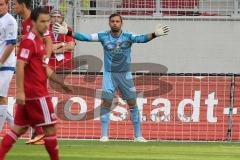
(115, 150)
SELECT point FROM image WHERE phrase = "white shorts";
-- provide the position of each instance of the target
(5, 79)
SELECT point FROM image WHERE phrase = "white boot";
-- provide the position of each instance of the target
(104, 139)
(140, 139)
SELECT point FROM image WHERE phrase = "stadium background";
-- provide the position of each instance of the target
(187, 82)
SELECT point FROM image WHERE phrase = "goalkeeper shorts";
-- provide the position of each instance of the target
(118, 80)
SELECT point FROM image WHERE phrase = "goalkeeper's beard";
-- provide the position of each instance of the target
(114, 30)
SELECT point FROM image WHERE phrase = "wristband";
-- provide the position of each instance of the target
(69, 33)
(154, 35)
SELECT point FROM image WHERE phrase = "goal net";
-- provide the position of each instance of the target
(179, 102)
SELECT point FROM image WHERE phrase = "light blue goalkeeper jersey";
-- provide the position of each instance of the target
(117, 50)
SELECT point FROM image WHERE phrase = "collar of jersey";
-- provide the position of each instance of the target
(117, 36)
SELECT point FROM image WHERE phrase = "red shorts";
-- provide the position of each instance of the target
(35, 113)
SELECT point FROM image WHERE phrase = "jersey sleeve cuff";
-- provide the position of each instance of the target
(12, 41)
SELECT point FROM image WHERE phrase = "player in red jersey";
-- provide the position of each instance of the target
(63, 46)
(34, 106)
(23, 9)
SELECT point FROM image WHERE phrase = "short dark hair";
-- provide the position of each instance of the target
(26, 2)
(37, 11)
(115, 15)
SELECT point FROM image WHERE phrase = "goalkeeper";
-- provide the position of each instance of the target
(117, 75)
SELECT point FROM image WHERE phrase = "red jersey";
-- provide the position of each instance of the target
(26, 26)
(32, 52)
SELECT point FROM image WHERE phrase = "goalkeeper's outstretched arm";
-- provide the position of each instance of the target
(85, 37)
(63, 29)
(160, 30)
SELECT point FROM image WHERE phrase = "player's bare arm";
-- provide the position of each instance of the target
(7, 53)
(62, 47)
(55, 78)
(20, 95)
(49, 45)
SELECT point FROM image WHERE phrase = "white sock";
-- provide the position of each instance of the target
(10, 119)
(3, 114)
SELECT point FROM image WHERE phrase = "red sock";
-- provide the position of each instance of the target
(38, 130)
(51, 146)
(8, 141)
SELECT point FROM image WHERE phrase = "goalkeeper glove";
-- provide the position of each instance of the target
(161, 30)
(62, 29)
